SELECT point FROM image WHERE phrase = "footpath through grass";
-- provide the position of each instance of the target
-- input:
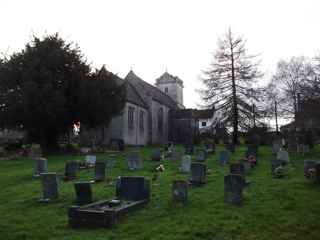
(273, 208)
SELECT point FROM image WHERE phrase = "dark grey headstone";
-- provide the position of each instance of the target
(317, 173)
(100, 171)
(246, 165)
(49, 186)
(41, 166)
(180, 191)
(237, 168)
(210, 148)
(133, 188)
(186, 164)
(134, 161)
(252, 150)
(111, 161)
(198, 173)
(223, 158)
(189, 149)
(230, 147)
(201, 155)
(307, 166)
(83, 192)
(156, 154)
(233, 188)
(71, 170)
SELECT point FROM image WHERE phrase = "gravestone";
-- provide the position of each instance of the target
(180, 191)
(307, 166)
(111, 161)
(156, 154)
(83, 193)
(237, 168)
(49, 186)
(317, 173)
(176, 156)
(283, 156)
(276, 146)
(133, 188)
(198, 173)
(99, 171)
(246, 165)
(201, 155)
(252, 150)
(230, 147)
(233, 188)
(210, 148)
(41, 166)
(186, 164)
(117, 144)
(305, 149)
(71, 169)
(91, 160)
(189, 149)
(134, 161)
(277, 168)
(223, 158)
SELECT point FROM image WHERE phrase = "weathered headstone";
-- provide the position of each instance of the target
(41, 166)
(71, 169)
(99, 171)
(189, 149)
(223, 158)
(210, 148)
(134, 161)
(201, 155)
(230, 147)
(198, 173)
(283, 156)
(156, 154)
(277, 170)
(49, 186)
(317, 173)
(91, 160)
(133, 188)
(83, 193)
(307, 166)
(180, 191)
(246, 165)
(176, 156)
(252, 150)
(233, 188)
(186, 164)
(305, 149)
(237, 168)
(111, 161)
(276, 146)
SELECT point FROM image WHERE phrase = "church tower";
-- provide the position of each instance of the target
(172, 86)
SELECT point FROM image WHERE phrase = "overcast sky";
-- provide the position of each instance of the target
(152, 36)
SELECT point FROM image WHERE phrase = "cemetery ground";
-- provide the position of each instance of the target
(286, 208)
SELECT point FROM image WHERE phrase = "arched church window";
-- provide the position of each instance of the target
(141, 121)
(131, 117)
(160, 120)
(166, 90)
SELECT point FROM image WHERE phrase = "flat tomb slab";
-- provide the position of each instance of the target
(103, 213)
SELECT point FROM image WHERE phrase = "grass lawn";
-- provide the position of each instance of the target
(273, 208)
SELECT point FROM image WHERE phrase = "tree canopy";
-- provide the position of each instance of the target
(228, 82)
(48, 86)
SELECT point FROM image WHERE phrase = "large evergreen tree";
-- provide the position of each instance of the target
(229, 83)
(48, 86)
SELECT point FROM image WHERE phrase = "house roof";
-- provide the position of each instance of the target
(143, 88)
(168, 78)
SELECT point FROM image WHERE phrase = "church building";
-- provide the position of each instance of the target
(145, 117)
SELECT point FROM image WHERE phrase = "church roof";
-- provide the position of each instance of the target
(143, 87)
(168, 78)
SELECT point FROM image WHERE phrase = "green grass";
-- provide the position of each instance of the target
(273, 208)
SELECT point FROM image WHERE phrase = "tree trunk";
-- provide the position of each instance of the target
(276, 115)
(235, 104)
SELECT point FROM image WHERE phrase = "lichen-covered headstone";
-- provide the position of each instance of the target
(186, 164)
(277, 169)
(180, 191)
(276, 146)
(201, 155)
(49, 186)
(99, 171)
(283, 155)
(41, 166)
(233, 188)
(134, 161)
(91, 160)
(83, 193)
